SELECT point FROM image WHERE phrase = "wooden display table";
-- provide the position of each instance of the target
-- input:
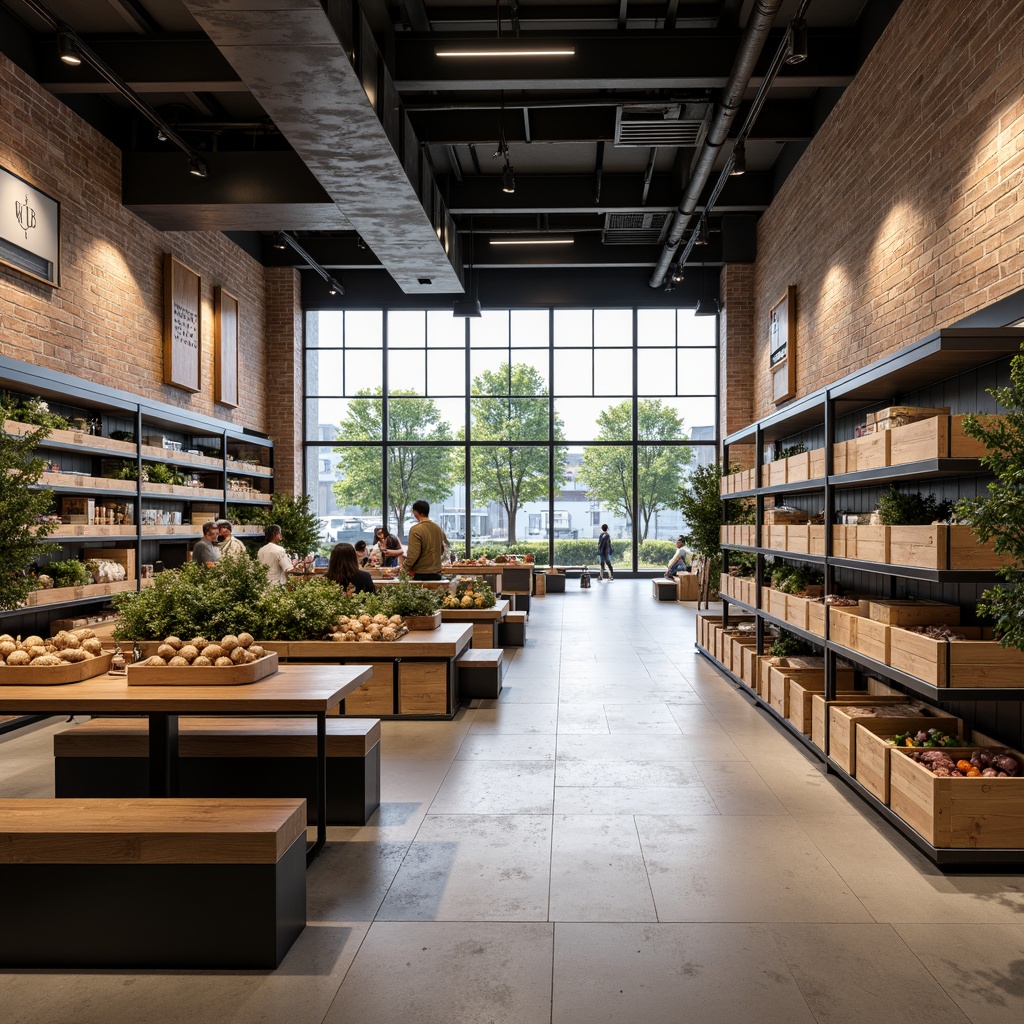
(410, 678)
(484, 621)
(294, 690)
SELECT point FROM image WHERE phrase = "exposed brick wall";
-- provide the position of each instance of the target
(105, 321)
(735, 354)
(902, 216)
(284, 358)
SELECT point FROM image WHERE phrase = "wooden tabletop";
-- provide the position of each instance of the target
(498, 612)
(293, 688)
(447, 641)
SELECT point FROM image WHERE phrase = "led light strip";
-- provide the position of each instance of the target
(560, 52)
(531, 241)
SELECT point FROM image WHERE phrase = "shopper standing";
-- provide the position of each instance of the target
(205, 551)
(230, 545)
(427, 544)
(604, 551)
(274, 557)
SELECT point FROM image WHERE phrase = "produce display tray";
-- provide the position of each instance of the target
(54, 675)
(188, 675)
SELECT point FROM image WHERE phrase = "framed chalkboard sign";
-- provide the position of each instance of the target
(782, 346)
(183, 319)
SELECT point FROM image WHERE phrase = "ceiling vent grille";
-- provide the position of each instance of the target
(650, 125)
(634, 228)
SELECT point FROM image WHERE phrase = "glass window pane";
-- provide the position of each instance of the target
(503, 519)
(604, 484)
(697, 330)
(613, 327)
(509, 419)
(407, 328)
(574, 372)
(656, 371)
(697, 370)
(324, 371)
(613, 371)
(429, 472)
(656, 327)
(590, 419)
(364, 371)
(325, 327)
(323, 416)
(530, 327)
(574, 328)
(489, 330)
(490, 362)
(537, 360)
(360, 419)
(697, 414)
(417, 419)
(445, 330)
(446, 372)
(407, 370)
(364, 329)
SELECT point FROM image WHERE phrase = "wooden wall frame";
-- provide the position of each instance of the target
(782, 346)
(225, 352)
(183, 325)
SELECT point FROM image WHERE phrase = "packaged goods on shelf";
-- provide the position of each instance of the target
(75, 509)
(159, 441)
(900, 416)
(860, 519)
(784, 515)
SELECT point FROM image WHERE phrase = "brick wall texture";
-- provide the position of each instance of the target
(105, 321)
(902, 215)
(284, 361)
(736, 349)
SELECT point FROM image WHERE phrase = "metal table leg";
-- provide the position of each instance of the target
(321, 788)
(163, 754)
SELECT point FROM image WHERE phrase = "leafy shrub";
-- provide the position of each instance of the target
(897, 508)
(69, 573)
(405, 598)
(788, 646)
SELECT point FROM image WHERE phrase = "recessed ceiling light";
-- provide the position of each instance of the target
(532, 241)
(545, 51)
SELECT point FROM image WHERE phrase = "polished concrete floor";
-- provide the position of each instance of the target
(622, 837)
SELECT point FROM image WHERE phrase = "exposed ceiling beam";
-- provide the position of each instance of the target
(133, 15)
(616, 60)
(608, 13)
(419, 20)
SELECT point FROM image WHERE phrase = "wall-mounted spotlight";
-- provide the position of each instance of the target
(739, 159)
(67, 49)
(333, 288)
(161, 135)
(279, 240)
(677, 275)
(196, 167)
(797, 41)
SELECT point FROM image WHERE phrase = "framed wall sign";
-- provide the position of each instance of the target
(782, 346)
(183, 334)
(225, 354)
(29, 229)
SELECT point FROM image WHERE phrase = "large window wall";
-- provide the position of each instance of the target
(525, 429)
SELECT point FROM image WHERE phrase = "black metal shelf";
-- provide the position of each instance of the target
(911, 572)
(248, 501)
(799, 556)
(927, 469)
(804, 634)
(741, 547)
(67, 489)
(740, 604)
(65, 541)
(41, 608)
(51, 445)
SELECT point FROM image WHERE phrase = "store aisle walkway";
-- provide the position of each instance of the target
(622, 837)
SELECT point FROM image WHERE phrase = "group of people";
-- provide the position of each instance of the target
(681, 561)
(421, 558)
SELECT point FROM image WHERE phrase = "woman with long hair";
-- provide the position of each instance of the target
(344, 570)
(390, 547)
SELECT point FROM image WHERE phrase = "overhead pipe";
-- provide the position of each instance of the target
(759, 25)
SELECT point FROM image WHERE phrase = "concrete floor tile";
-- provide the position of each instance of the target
(496, 787)
(469, 867)
(694, 746)
(582, 718)
(508, 747)
(634, 800)
(520, 718)
(628, 774)
(597, 870)
(667, 973)
(737, 788)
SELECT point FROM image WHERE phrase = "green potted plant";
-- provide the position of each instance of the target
(420, 606)
(300, 527)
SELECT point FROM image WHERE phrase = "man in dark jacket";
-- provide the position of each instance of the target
(604, 551)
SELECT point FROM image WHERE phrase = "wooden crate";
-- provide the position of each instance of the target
(872, 747)
(776, 603)
(978, 661)
(816, 464)
(774, 537)
(960, 445)
(374, 697)
(872, 639)
(736, 648)
(204, 675)
(422, 688)
(842, 623)
(816, 618)
(798, 468)
(796, 611)
(982, 814)
(123, 556)
(800, 693)
(61, 595)
(841, 725)
(819, 713)
(750, 663)
(941, 547)
(939, 437)
(913, 613)
(812, 680)
(866, 543)
(798, 539)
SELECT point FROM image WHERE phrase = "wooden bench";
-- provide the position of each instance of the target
(512, 632)
(480, 673)
(228, 757)
(664, 590)
(686, 586)
(151, 883)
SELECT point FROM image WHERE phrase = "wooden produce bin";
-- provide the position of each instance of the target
(774, 473)
(737, 645)
(776, 604)
(806, 540)
(62, 595)
(841, 725)
(865, 543)
(810, 680)
(819, 713)
(872, 747)
(868, 452)
(816, 464)
(743, 534)
(750, 663)
(798, 468)
(124, 557)
(842, 623)
(980, 814)
(978, 661)
(941, 547)
(816, 618)
(940, 437)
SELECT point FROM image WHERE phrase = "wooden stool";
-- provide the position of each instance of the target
(480, 673)
(512, 632)
(664, 590)
(228, 757)
(151, 883)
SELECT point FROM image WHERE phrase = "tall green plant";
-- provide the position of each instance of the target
(22, 510)
(999, 514)
(300, 527)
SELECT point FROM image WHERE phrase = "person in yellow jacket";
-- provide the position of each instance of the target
(427, 545)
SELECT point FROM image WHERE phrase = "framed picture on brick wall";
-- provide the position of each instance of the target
(183, 325)
(782, 346)
(29, 229)
(225, 353)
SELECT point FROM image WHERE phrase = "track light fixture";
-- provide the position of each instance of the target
(702, 233)
(706, 307)
(67, 49)
(677, 274)
(196, 167)
(161, 135)
(508, 181)
(334, 287)
(739, 159)
(797, 52)
(279, 240)
(360, 243)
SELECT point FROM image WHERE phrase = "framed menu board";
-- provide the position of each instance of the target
(183, 321)
(782, 346)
